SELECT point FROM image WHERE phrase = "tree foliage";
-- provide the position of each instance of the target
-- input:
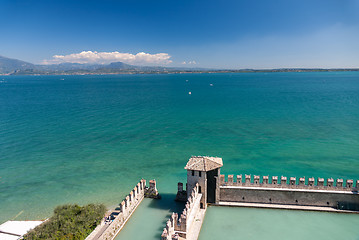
(69, 221)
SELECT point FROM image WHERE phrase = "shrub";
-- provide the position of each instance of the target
(69, 221)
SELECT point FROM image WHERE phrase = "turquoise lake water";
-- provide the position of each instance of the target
(91, 138)
(249, 223)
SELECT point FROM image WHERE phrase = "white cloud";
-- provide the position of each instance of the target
(189, 62)
(94, 57)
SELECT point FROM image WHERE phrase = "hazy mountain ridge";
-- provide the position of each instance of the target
(17, 67)
(9, 66)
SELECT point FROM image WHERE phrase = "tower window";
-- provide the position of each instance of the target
(192, 172)
(199, 189)
(199, 173)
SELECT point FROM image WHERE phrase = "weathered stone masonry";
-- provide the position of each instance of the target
(320, 194)
(206, 185)
(202, 173)
(177, 228)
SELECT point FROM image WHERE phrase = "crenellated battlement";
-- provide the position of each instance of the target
(178, 226)
(293, 183)
(120, 216)
(181, 193)
(205, 185)
(151, 191)
(123, 212)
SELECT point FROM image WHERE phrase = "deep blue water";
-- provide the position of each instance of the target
(91, 138)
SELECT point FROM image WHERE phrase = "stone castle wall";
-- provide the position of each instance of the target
(310, 193)
(259, 181)
(179, 226)
(127, 207)
(200, 179)
(108, 230)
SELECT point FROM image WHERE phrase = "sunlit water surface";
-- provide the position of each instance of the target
(91, 138)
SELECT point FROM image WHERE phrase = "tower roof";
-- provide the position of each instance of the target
(204, 163)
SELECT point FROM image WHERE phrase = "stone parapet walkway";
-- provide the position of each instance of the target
(196, 226)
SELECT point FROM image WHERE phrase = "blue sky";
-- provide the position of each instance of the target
(221, 34)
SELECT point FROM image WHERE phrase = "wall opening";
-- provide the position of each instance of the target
(192, 172)
(200, 174)
(199, 189)
(211, 185)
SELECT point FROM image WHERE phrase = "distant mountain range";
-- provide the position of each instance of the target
(14, 66)
(10, 66)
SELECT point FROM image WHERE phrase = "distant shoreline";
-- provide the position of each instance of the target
(9, 66)
(32, 73)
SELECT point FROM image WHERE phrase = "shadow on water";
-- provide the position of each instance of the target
(167, 202)
(151, 217)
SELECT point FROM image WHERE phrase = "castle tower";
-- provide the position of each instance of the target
(204, 171)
